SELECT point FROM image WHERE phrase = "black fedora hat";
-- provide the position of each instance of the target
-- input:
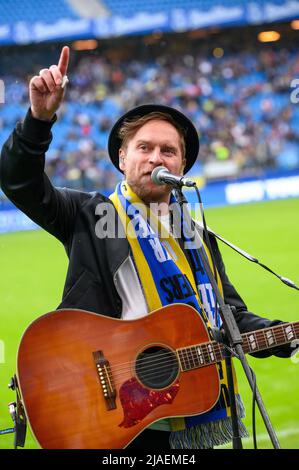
(191, 135)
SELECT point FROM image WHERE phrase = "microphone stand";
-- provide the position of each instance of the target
(232, 333)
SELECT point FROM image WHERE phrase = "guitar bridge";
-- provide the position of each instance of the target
(105, 378)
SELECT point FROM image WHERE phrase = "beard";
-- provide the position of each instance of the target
(150, 192)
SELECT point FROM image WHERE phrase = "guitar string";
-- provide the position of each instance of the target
(190, 358)
(157, 373)
(160, 372)
(154, 375)
(160, 359)
(149, 370)
(189, 351)
(278, 335)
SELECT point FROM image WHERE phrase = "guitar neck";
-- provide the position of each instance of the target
(200, 355)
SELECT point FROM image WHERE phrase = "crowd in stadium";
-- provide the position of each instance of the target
(238, 100)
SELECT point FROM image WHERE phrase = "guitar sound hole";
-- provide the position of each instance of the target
(157, 367)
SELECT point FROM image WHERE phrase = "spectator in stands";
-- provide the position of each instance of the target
(240, 97)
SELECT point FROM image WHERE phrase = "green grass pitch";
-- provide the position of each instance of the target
(33, 268)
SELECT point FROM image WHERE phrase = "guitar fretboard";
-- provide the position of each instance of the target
(200, 355)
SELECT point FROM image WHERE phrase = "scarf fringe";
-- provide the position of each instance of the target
(210, 434)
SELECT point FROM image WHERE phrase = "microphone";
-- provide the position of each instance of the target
(160, 175)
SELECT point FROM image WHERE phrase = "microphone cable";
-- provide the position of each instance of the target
(207, 239)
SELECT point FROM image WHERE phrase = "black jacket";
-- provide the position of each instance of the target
(71, 216)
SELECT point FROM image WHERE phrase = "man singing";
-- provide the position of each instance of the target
(127, 275)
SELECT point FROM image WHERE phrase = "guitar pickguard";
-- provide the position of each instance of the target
(138, 401)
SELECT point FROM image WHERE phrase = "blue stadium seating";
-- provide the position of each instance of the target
(129, 7)
(13, 11)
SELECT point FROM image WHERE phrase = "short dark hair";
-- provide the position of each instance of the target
(130, 126)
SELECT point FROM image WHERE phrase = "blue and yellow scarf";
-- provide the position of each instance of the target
(162, 268)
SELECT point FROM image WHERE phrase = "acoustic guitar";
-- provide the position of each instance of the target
(89, 381)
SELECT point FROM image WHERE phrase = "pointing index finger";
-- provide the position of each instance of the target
(64, 60)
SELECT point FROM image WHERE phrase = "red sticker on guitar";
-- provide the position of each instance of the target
(138, 402)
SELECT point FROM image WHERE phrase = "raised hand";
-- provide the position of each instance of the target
(45, 90)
